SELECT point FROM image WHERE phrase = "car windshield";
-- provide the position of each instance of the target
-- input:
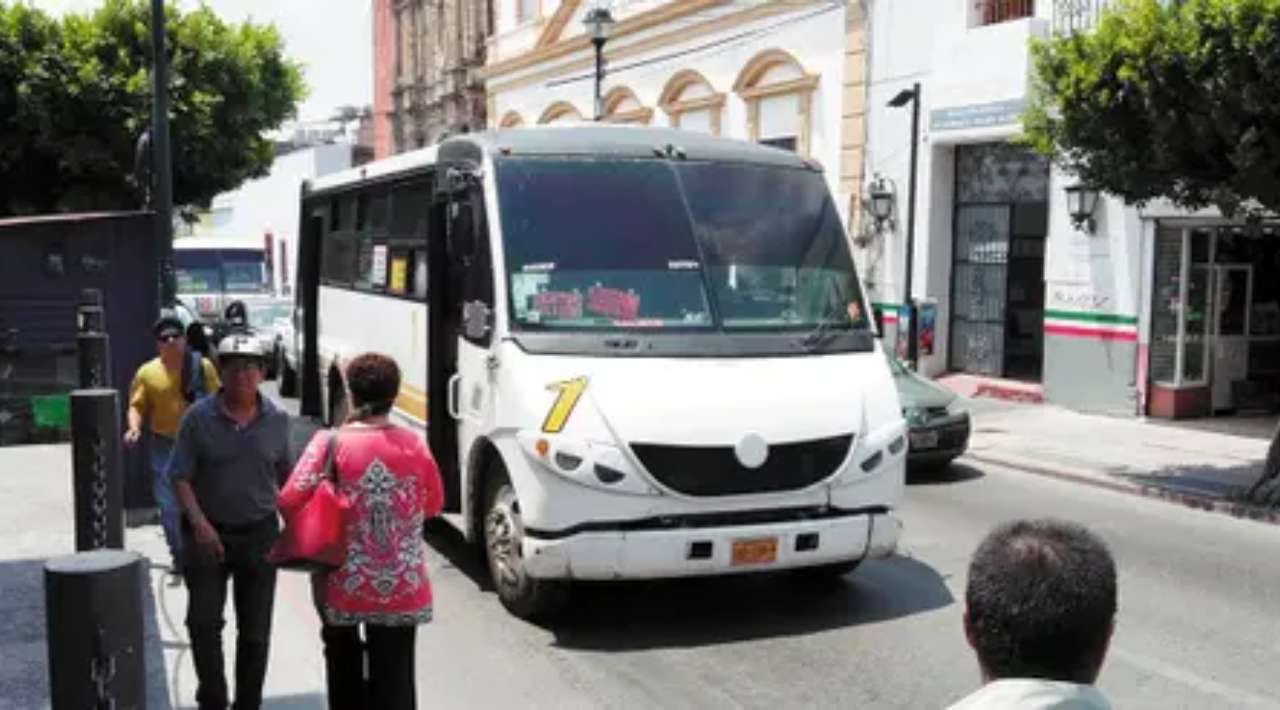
(616, 244)
(244, 270)
(220, 270)
(197, 271)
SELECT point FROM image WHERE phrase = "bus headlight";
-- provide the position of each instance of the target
(589, 463)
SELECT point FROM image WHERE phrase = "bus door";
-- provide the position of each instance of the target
(464, 320)
(306, 326)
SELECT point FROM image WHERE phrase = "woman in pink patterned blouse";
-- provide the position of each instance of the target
(393, 484)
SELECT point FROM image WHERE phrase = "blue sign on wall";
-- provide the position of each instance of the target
(999, 113)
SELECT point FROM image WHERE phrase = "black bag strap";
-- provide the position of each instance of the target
(187, 375)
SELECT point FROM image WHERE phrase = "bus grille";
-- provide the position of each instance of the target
(715, 471)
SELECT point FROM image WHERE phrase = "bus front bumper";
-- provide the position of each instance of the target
(695, 551)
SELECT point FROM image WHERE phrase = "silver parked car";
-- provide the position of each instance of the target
(937, 422)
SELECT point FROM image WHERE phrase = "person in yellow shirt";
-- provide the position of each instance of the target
(162, 390)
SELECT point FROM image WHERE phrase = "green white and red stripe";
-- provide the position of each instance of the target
(1086, 324)
(888, 312)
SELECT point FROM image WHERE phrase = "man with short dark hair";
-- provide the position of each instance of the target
(230, 458)
(161, 391)
(1040, 608)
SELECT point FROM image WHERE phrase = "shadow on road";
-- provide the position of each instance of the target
(688, 613)
(935, 476)
(462, 555)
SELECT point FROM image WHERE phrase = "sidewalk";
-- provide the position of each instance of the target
(35, 483)
(1198, 466)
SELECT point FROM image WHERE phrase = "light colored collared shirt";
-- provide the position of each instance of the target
(1033, 694)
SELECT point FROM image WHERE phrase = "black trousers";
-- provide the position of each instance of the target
(374, 672)
(253, 587)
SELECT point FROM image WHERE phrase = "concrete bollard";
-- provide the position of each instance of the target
(93, 622)
(98, 480)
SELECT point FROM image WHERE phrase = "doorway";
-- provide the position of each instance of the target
(1001, 221)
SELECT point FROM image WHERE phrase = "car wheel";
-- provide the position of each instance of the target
(522, 595)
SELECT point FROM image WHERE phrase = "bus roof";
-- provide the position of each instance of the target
(228, 242)
(573, 139)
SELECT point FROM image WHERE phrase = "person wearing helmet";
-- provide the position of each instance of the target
(159, 396)
(230, 458)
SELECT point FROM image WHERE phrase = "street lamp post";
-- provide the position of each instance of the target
(599, 23)
(904, 97)
(162, 173)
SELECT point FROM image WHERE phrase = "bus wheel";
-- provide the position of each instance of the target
(522, 595)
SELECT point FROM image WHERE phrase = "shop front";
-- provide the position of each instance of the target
(1215, 320)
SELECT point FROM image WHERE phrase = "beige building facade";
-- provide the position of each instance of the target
(787, 73)
(437, 53)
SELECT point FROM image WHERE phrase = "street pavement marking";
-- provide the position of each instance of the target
(1234, 696)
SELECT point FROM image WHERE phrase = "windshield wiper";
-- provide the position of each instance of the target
(818, 335)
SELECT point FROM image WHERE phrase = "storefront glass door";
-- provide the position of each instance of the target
(1233, 292)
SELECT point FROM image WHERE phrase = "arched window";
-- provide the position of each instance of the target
(560, 112)
(779, 97)
(511, 119)
(622, 106)
(691, 103)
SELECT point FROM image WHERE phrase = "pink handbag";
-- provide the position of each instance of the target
(315, 537)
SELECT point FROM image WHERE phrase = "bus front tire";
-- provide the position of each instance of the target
(522, 595)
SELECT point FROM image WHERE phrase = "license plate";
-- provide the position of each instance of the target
(760, 551)
(924, 440)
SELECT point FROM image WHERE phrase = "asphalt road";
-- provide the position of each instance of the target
(1198, 624)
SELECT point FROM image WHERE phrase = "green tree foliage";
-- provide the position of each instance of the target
(75, 95)
(1177, 100)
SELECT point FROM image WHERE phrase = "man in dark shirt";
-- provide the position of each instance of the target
(229, 459)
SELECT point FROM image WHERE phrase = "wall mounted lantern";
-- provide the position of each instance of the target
(1082, 200)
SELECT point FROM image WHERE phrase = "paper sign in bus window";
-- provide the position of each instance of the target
(399, 274)
(613, 303)
(558, 304)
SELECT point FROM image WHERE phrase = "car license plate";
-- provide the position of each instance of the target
(759, 551)
(924, 439)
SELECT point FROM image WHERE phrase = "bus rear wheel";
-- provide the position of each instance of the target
(522, 595)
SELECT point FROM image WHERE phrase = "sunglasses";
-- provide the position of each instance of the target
(168, 338)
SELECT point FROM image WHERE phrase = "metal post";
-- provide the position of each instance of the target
(599, 45)
(912, 347)
(98, 478)
(161, 151)
(93, 623)
(93, 347)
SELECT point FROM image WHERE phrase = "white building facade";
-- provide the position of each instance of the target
(760, 70)
(1149, 311)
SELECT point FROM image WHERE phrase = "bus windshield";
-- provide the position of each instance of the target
(221, 271)
(624, 244)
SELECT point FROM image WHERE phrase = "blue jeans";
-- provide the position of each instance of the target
(166, 501)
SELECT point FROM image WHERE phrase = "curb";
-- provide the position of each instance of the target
(1243, 511)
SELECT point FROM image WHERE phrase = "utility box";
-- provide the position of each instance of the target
(45, 263)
